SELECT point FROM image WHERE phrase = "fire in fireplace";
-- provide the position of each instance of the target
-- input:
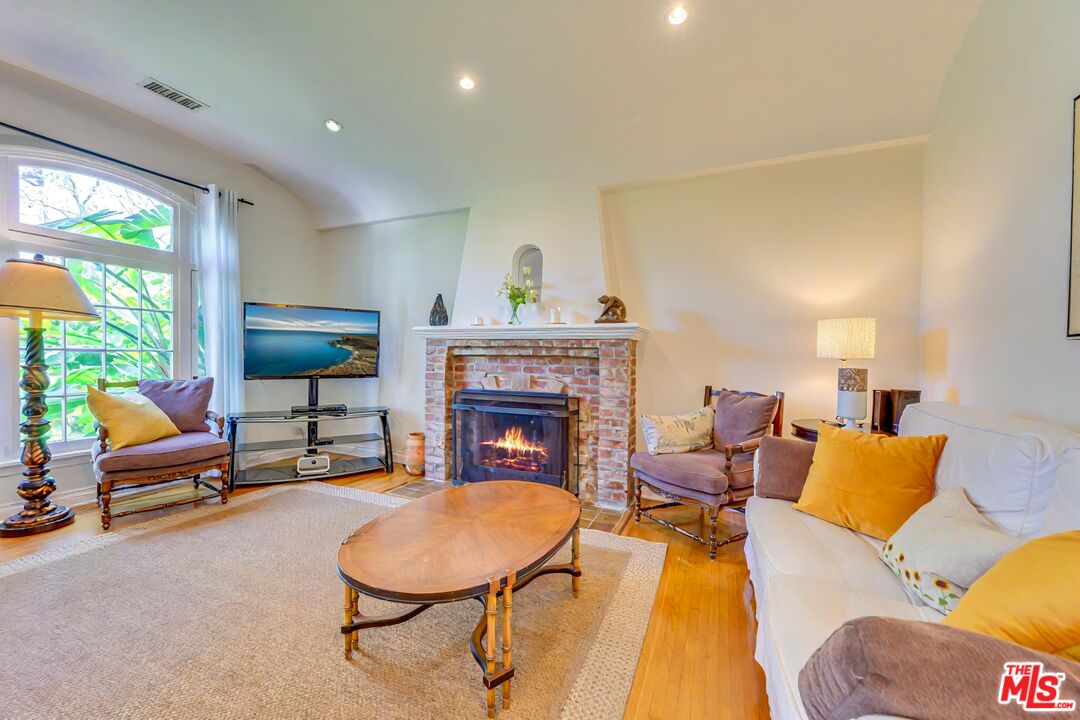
(514, 452)
(507, 435)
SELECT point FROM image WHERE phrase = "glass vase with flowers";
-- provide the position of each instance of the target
(518, 295)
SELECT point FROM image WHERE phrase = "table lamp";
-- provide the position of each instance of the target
(848, 339)
(38, 290)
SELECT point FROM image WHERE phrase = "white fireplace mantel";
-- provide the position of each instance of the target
(579, 331)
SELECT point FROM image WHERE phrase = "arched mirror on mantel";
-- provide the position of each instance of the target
(529, 256)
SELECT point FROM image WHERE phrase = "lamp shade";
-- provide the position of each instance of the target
(28, 286)
(846, 338)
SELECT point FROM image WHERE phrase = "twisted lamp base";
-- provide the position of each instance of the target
(38, 513)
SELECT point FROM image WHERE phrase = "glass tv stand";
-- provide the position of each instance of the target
(340, 448)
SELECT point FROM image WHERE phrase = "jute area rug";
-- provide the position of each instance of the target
(234, 612)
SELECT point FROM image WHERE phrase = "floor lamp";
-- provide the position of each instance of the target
(38, 291)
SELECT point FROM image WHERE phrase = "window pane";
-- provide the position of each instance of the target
(55, 416)
(121, 366)
(88, 275)
(84, 333)
(157, 331)
(79, 421)
(122, 329)
(54, 369)
(121, 286)
(86, 205)
(83, 368)
(156, 365)
(157, 291)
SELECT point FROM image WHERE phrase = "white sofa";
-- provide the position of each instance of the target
(810, 577)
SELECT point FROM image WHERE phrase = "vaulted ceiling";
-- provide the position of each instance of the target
(599, 89)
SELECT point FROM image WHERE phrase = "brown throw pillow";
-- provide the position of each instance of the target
(920, 670)
(783, 464)
(184, 401)
(741, 417)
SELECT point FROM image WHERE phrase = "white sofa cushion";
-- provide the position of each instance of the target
(1064, 511)
(798, 617)
(784, 541)
(1006, 465)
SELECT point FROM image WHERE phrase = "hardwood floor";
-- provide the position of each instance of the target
(697, 659)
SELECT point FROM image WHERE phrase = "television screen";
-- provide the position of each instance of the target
(297, 341)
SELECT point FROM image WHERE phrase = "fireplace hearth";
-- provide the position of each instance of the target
(512, 435)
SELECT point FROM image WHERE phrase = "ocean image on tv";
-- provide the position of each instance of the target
(301, 342)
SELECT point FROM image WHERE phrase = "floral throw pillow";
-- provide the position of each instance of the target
(666, 434)
(943, 548)
(934, 590)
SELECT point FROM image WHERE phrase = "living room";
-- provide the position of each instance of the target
(447, 281)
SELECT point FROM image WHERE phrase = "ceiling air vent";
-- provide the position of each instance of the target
(170, 93)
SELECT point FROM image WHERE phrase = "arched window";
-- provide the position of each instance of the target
(126, 242)
(529, 256)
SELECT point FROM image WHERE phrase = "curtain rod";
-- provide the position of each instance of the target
(133, 166)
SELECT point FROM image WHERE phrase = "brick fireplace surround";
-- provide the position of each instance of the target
(597, 363)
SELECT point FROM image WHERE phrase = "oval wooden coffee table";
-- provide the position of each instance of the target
(482, 541)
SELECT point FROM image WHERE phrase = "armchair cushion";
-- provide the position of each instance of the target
(701, 471)
(184, 401)
(189, 447)
(741, 417)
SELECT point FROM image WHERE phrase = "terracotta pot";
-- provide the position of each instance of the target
(414, 453)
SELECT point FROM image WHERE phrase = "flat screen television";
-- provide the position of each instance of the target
(285, 342)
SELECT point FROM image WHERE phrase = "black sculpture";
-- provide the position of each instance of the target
(614, 310)
(438, 314)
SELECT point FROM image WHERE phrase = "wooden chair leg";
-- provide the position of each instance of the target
(104, 498)
(637, 499)
(225, 484)
(714, 514)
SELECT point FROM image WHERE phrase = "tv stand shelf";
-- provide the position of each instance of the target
(341, 463)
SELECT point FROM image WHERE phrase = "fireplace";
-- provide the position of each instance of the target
(510, 435)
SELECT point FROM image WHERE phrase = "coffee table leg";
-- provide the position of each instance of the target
(489, 656)
(351, 597)
(508, 609)
(575, 581)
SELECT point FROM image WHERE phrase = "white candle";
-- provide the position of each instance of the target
(554, 315)
(478, 320)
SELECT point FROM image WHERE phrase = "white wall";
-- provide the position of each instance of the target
(397, 268)
(997, 203)
(278, 242)
(731, 271)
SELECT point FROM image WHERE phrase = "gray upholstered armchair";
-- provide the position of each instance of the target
(716, 478)
(197, 450)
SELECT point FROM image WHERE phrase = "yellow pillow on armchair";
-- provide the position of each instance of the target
(131, 419)
(869, 483)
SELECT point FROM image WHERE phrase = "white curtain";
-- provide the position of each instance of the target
(219, 285)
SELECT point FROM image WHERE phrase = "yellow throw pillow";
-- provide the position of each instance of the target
(1031, 597)
(869, 483)
(131, 419)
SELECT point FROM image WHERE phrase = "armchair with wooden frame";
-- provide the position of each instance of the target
(200, 448)
(717, 478)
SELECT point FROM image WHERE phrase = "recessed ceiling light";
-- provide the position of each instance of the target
(677, 16)
(333, 125)
(466, 83)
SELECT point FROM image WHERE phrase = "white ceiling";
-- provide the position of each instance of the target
(602, 90)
